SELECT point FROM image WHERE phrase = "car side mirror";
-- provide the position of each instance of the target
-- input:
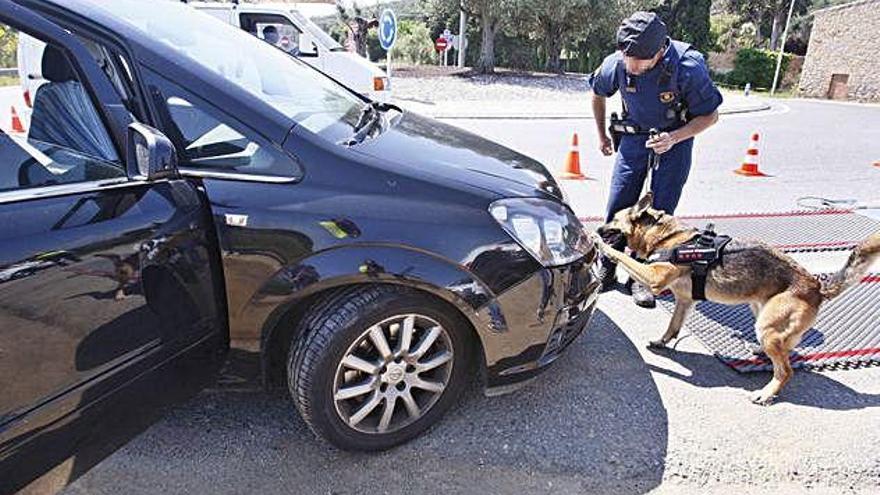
(149, 154)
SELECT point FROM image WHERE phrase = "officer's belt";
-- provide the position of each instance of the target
(701, 252)
(621, 127)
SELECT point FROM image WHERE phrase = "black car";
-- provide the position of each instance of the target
(367, 259)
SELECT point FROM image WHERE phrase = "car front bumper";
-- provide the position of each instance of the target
(539, 318)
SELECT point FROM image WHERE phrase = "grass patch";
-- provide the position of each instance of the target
(9, 81)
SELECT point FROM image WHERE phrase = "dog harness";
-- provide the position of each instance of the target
(703, 251)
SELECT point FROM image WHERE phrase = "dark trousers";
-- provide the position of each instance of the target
(631, 170)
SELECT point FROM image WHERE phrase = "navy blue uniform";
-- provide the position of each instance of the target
(651, 100)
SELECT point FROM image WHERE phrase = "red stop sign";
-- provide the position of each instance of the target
(441, 44)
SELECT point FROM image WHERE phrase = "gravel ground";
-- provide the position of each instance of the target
(454, 94)
(438, 84)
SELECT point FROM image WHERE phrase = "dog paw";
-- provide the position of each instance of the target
(755, 349)
(657, 345)
(762, 398)
(598, 242)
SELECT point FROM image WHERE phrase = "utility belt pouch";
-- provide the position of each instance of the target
(615, 128)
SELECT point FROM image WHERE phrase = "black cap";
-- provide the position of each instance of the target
(642, 35)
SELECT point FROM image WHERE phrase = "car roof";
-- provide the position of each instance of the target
(279, 7)
(308, 10)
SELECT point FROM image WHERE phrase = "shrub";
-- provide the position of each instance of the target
(755, 66)
(8, 46)
(414, 44)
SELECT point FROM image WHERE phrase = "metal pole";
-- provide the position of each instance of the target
(388, 65)
(462, 37)
(782, 49)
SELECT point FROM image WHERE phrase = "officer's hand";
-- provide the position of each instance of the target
(606, 147)
(662, 143)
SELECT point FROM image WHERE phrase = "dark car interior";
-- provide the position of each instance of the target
(65, 128)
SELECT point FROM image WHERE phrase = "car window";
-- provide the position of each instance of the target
(53, 133)
(209, 139)
(288, 85)
(316, 32)
(274, 29)
(116, 68)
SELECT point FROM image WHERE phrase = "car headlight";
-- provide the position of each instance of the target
(546, 229)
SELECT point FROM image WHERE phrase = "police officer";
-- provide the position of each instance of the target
(664, 85)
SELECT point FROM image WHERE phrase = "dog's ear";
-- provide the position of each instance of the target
(645, 203)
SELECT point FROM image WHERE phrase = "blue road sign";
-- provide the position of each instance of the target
(387, 29)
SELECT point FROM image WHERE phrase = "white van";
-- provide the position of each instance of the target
(29, 56)
(284, 26)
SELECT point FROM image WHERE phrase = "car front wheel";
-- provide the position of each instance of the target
(377, 365)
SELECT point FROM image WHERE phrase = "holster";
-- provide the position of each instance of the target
(615, 130)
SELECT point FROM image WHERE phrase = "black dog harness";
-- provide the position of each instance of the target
(703, 251)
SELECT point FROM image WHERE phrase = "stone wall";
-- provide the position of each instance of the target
(844, 41)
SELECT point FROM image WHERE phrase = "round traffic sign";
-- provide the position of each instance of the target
(387, 29)
(441, 44)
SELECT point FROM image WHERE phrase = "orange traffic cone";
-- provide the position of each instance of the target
(573, 162)
(16, 121)
(749, 166)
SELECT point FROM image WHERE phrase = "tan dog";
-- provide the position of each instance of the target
(784, 297)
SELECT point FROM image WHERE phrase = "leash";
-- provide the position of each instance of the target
(818, 203)
(653, 163)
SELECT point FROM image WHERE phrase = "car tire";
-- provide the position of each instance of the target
(343, 386)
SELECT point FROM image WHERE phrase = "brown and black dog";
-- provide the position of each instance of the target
(784, 297)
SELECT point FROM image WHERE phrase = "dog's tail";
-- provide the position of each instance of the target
(856, 266)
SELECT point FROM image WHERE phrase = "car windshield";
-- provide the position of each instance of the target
(309, 98)
(320, 36)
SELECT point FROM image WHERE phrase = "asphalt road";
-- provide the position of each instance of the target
(808, 147)
(610, 417)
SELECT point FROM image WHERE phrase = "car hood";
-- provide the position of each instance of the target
(462, 156)
(350, 60)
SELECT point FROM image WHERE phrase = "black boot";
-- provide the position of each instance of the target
(641, 295)
(607, 274)
(607, 266)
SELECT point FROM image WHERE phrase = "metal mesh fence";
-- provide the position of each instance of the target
(796, 231)
(845, 335)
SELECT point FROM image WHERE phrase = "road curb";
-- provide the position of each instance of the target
(425, 110)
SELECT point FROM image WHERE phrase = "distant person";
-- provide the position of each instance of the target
(273, 37)
(664, 85)
(270, 35)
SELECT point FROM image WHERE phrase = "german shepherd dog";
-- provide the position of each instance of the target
(783, 296)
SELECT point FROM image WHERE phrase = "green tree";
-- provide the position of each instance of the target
(577, 25)
(358, 22)
(688, 20)
(555, 22)
(491, 14)
(768, 15)
(414, 43)
(8, 46)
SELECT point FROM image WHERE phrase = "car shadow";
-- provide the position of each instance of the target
(593, 423)
(806, 388)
